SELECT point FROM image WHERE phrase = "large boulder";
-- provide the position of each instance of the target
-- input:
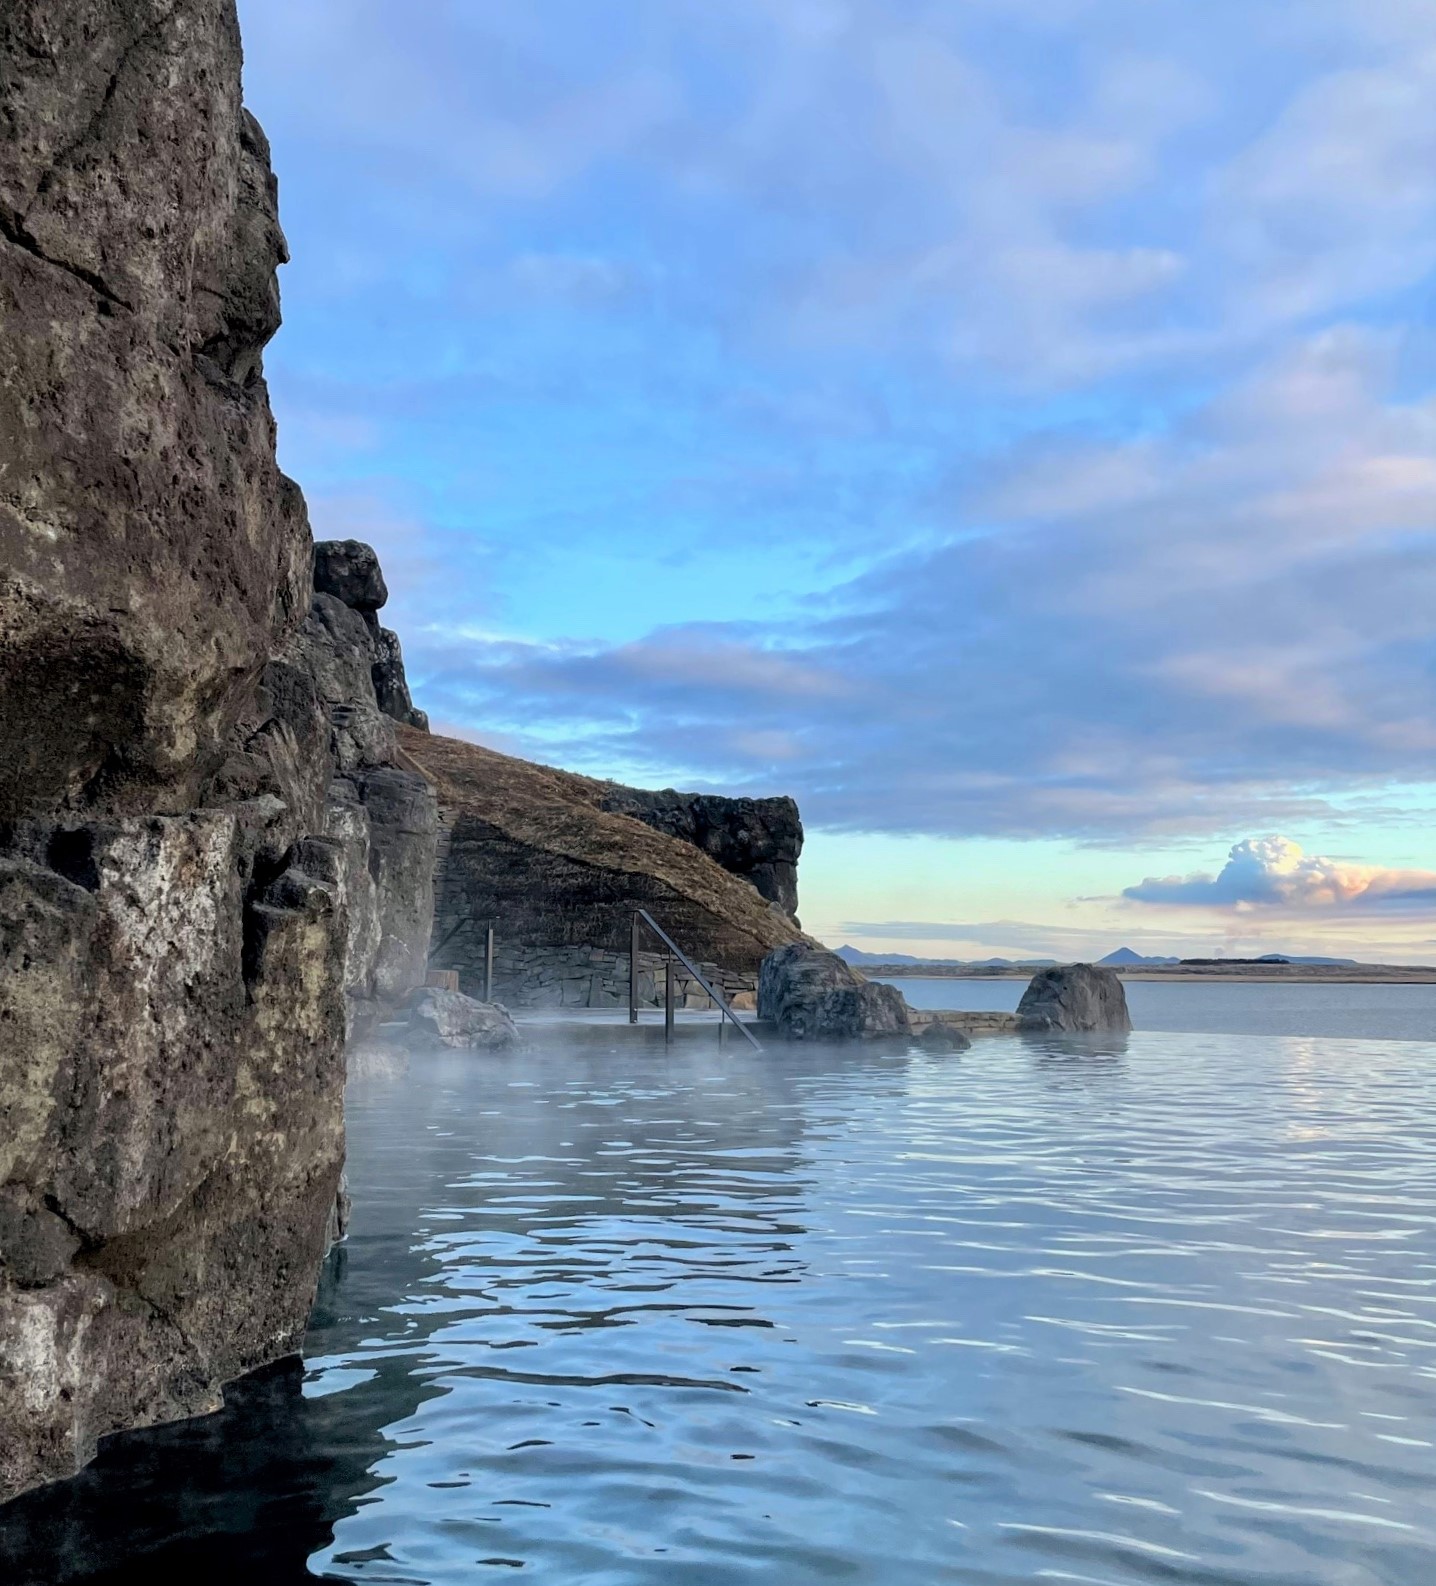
(810, 994)
(349, 571)
(450, 1019)
(1074, 999)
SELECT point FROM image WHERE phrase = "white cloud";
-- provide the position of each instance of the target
(1274, 873)
(1164, 647)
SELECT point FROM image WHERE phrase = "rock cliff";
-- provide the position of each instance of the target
(207, 828)
(758, 839)
(535, 852)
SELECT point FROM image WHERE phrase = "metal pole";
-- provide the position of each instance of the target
(668, 1002)
(722, 1025)
(633, 973)
(489, 966)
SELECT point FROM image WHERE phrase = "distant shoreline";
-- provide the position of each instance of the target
(1273, 974)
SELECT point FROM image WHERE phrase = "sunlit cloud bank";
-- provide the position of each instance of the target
(1274, 873)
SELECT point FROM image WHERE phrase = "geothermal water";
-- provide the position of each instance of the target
(1161, 1310)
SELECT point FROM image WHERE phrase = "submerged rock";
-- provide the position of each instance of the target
(1074, 999)
(940, 1037)
(449, 1018)
(810, 994)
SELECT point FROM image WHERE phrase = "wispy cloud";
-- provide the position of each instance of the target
(1233, 624)
(1006, 418)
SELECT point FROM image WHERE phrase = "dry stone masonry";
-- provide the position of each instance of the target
(583, 977)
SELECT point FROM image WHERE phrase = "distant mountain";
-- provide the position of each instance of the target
(1124, 958)
(855, 955)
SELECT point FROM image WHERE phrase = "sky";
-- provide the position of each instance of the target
(1008, 426)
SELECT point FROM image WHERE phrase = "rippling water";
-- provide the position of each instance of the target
(1164, 1312)
(1378, 1011)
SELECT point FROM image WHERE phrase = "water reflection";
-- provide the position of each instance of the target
(1118, 1311)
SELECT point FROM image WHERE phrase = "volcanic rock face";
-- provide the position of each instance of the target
(810, 994)
(1074, 999)
(527, 849)
(758, 839)
(349, 571)
(362, 660)
(206, 830)
(152, 552)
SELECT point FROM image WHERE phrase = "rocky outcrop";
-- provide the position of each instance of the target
(1074, 999)
(809, 994)
(391, 687)
(349, 571)
(758, 839)
(376, 804)
(450, 1019)
(153, 554)
(207, 829)
(349, 590)
(528, 850)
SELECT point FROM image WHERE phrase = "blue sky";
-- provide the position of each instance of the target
(1007, 425)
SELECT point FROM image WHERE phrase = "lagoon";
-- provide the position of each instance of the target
(1162, 1309)
(1390, 1011)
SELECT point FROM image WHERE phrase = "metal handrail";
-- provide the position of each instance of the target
(725, 1012)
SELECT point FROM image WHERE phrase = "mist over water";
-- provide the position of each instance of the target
(1157, 1311)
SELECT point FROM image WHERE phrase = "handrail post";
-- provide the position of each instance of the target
(489, 965)
(675, 952)
(633, 973)
(668, 978)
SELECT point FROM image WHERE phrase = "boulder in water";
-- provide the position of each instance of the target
(1074, 999)
(810, 994)
(449, 1018)
(940, 1037)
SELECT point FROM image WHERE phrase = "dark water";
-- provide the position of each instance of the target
(1163, 1312)
(1388, 1012)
